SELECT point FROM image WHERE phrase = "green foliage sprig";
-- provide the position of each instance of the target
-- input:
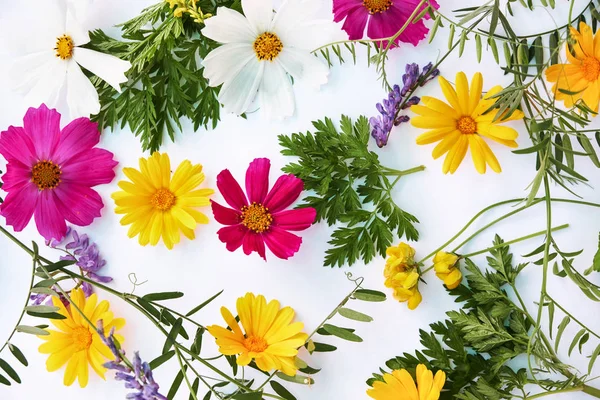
(165, 82)
(475, 345)
(351, 188)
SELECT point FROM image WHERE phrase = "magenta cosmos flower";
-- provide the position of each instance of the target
(50, 172)
(385, 18)
(260, 218)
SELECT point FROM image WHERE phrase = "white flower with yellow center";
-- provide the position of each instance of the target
(260, 49)
(54, 57)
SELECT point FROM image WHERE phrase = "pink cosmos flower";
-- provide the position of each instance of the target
(260, 218)
(50, 172)
(385, 18)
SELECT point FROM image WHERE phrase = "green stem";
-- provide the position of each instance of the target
(395, 172)
(553, 392)
(522, 238)
(183, 370)
(267, 381)
(591, 391)
(22, 311)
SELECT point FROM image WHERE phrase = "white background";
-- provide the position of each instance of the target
(200, 268)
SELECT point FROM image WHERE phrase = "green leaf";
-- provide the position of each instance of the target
(554, 49)
(197, 345)
(18, 354)
(561, 328)
(160, 360)
(575, 340)
(539, 54)
(4, 381)
(46, 315)
(478, 47)
(9, 371)
(587, 146)
(194, 391)
(176, 383)
(354, 315)
(162, 296)
(593, 358)
(248, 396)
(323, 347)
(201, 306)
(59, 264)
(172, 335)
(300, 379)
(342, 333)
(550, 317)
(32, 330)
(281, 391)
(494, 19)
(369, 295)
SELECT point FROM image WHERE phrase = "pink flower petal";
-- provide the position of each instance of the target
(341, 8)
(231, 190)
(19, 205)
(254, 242)
(232, 236)
(50, 222)
(78, 204)
(257, 180)
(224, 215)
(77, 137)
(90, 168)
(43, 127)
(282, 243)
(295, 220)
(285, 191)
(386, 24)
(355, 23)
(16, 176)
(16, 146)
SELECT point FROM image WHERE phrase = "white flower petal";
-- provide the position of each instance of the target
(294, 12)
(276, 94)
(237, 94)
(229, 26)
(109, 68)
(74, 29)
(310, 35)
(80, 8)
(225, 62)
(41, 77)
(82, 97)
(304, 66)
(259, 13)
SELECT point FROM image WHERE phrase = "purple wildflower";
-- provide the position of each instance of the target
(139, 378)
(382, 125)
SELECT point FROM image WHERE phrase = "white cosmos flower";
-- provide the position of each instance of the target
(51, 69)
(261, 48)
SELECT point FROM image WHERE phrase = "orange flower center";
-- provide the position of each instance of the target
(256, 217)
(255, 344)
(590, 68)
(64, 47)
(82, 338)
(466, 125)
(163, 200)
(267, 46)
(46, 175)
(377, 6)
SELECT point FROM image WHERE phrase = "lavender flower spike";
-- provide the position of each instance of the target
(139, 378)
(413, 78)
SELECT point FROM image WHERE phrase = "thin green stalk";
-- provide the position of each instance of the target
(184, 317)
(22, 311)
(267, 381)
(532, 235)
(395, 172)
(187, 381)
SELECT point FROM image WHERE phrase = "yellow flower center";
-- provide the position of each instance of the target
(256, 217)
(82, 338)
(46, 175)
(466, 125)
(255, 344)
(163, 199)
(377, 6)
(267, 46)
(64, 47)
(590, 68)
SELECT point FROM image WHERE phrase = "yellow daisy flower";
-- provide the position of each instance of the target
(157, 204)
(402, 275)
(269, 337)
(462, 124)
(580, 76)
(399, 385)
(76, 343)
(446, 268)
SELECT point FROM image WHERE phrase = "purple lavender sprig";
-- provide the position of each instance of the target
(86, 256)
(389, 109)
(136, 375)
